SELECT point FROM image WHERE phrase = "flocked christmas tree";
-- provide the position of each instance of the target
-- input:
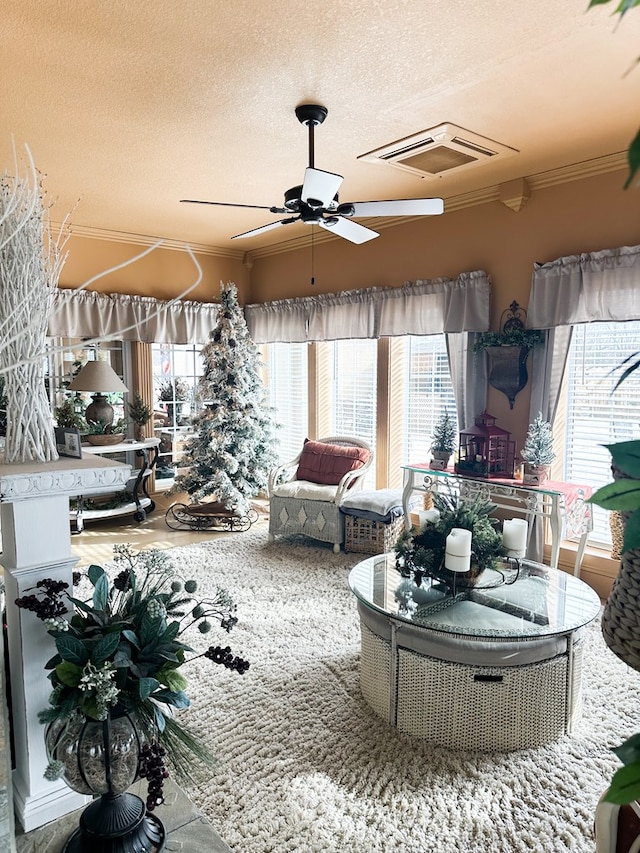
(538, 445)
(230, 457)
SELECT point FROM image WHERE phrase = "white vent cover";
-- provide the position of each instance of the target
(438, 149)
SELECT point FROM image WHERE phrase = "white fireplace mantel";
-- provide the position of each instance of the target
(36, 543)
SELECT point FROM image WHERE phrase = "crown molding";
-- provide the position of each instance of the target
(537, 181)
(89, 233)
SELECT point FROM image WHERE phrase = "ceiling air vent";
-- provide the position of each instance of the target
(436, 150)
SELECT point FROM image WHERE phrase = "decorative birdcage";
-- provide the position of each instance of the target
(486, 450)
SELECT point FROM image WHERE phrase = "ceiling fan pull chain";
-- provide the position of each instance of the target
(313, 245)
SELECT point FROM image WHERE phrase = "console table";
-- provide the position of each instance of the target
(563, 505)
(140, 502)
(495, 667)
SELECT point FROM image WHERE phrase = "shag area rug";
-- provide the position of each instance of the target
(306, 766)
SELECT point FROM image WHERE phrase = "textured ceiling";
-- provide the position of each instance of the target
(129, 106)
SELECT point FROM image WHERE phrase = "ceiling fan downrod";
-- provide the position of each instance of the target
(311, 115)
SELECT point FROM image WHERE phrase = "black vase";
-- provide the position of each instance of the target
(103, 757)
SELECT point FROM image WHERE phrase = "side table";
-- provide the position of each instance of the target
(563, 505)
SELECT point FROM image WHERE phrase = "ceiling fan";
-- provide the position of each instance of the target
(315, 201)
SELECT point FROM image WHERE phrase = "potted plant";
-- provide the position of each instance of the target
(139, 414)
(444, 441)
(118, 682)
(101, 433)
(537, 452)
(508, 350)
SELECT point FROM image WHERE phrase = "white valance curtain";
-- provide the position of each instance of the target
(585, 288)
(598, 286)
(416, 308)
(87, 314)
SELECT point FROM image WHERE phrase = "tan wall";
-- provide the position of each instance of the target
(164, 273)
(580, 216)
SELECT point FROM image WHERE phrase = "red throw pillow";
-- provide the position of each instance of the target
(328, 463)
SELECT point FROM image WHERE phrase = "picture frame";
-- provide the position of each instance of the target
(68, 442)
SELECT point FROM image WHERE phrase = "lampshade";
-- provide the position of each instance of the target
(100, 378)
(97, 376)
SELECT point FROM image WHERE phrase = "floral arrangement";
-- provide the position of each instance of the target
(124, 649)
(422, 551)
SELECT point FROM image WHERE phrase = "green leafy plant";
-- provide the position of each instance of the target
(102, 428)
(444, 434)
(127, 644)
(66, 416)
(138, 411)
(624, 494)
(512, 337)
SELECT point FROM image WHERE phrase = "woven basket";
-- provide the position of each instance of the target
(371, 537)
(621, 613)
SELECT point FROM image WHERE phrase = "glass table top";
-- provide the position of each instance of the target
(536, 601)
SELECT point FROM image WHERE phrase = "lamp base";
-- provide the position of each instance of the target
(99, 410)
(117, 824)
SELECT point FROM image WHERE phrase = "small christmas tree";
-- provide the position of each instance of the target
(538, 446)
(444, 434)
(233, 451)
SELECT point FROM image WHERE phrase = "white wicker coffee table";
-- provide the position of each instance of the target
(496, 667)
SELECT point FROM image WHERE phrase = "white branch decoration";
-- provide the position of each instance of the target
(30, 263)
(31, 258)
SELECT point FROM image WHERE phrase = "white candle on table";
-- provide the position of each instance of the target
(514, 536)
(456, 563)
(458, 542)
(457, 555)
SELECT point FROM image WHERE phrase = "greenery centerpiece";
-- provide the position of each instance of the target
(421, 552)
(123, 651)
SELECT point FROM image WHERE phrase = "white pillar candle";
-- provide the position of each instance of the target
(514, 536)
(458, 542)
(457, 563)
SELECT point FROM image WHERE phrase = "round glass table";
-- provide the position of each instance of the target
(496, 666)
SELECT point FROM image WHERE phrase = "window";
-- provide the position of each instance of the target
(590, 415)
(287, 394)
(429, 393)
(353, 393)
(176, 370)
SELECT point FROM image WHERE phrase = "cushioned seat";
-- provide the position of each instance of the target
(305, 494)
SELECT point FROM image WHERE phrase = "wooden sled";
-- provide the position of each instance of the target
(212, 516)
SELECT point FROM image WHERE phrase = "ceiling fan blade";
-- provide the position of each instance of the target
(399, 207)
(352, 231)
(320, 188)
(264, 228)
(229, 204)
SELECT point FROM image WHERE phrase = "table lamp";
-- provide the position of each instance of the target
(100, 378)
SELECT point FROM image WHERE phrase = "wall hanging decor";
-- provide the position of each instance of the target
(508, 350)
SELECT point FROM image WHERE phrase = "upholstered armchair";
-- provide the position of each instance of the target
(305, 494)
